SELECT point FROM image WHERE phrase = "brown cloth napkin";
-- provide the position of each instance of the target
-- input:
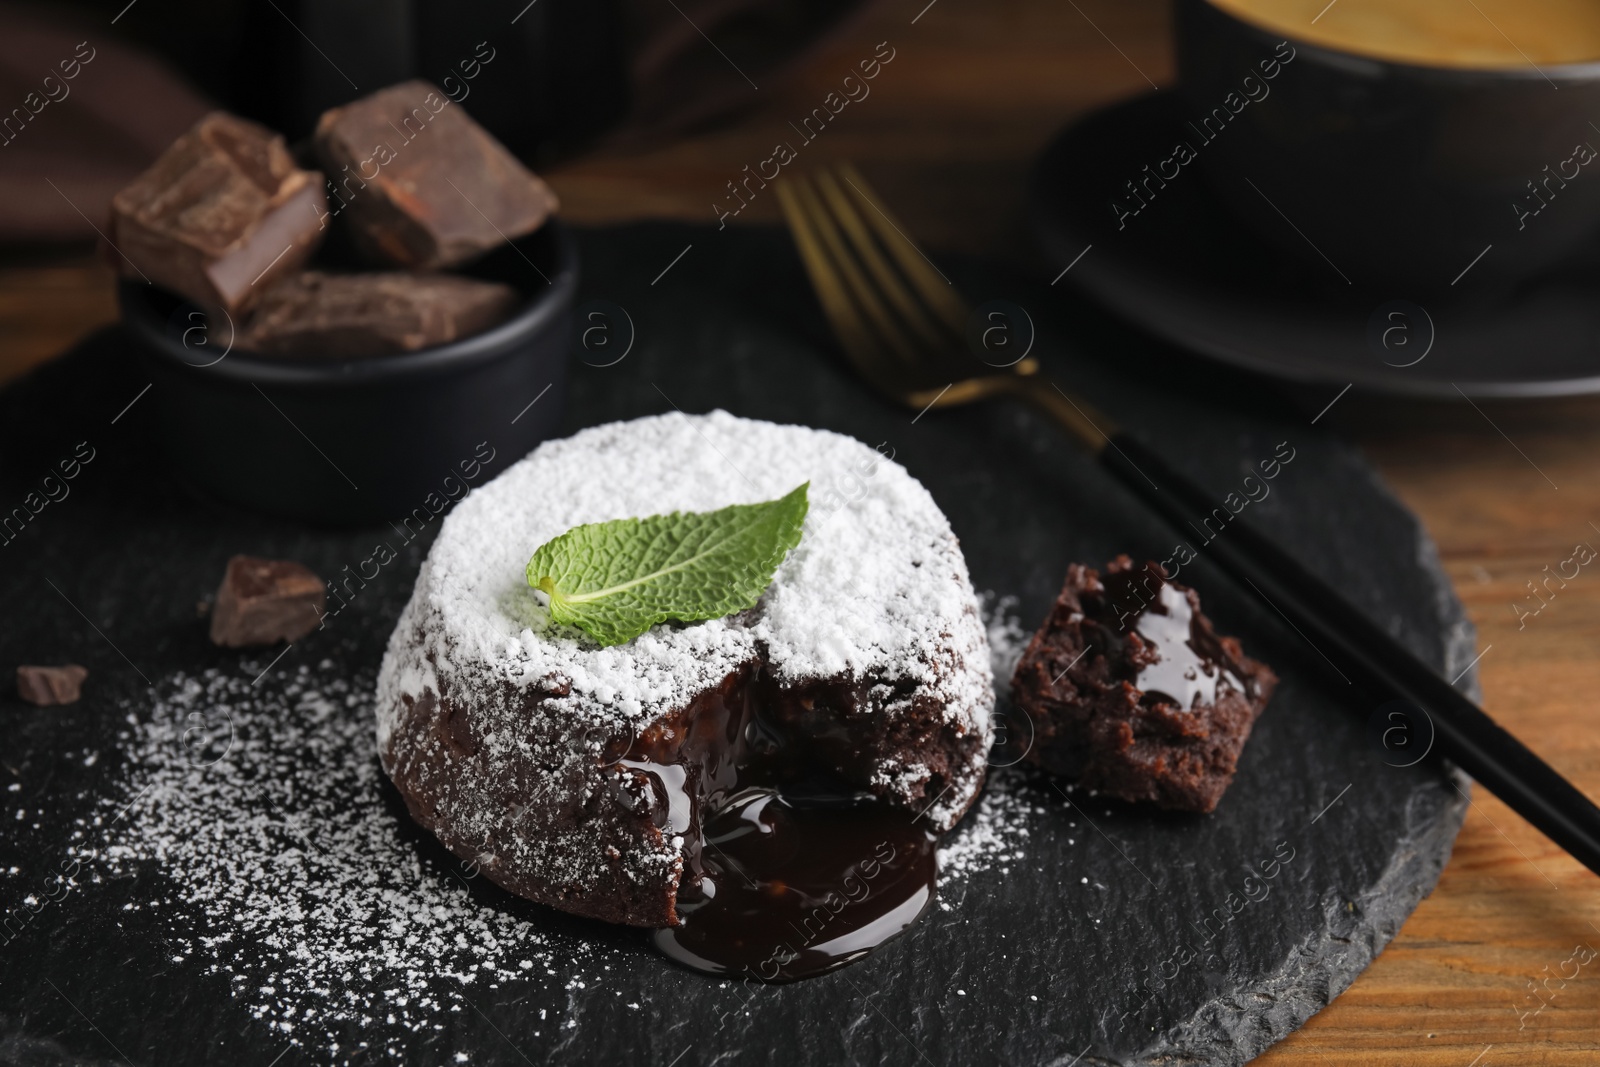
(80, 115)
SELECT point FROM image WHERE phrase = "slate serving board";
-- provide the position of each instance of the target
(1096, 951)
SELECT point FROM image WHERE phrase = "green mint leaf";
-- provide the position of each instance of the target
(615, 580)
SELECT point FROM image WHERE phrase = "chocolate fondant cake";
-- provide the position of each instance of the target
(579, 776)
(1132, 692)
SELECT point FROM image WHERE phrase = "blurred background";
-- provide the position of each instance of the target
(622, 105)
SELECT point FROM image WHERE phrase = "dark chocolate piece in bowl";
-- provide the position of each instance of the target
(420, 184)
(314, 315)
(221, 215)
(1132, 693)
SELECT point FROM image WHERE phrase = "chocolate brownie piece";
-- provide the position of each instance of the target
(1133, 694)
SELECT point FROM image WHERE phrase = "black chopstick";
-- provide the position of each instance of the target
(1358, 648)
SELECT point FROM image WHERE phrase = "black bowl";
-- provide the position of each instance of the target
(359, 440)
(1387, 172)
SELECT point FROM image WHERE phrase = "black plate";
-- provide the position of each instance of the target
(1074, 944)
(1187, 271)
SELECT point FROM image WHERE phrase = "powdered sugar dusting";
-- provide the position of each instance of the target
(852, 597)
(280, 870)
(995, 832)
(287, 875)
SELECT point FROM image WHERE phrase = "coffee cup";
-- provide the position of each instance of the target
(1392, 147)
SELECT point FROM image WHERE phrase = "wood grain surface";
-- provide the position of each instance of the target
(973, 92)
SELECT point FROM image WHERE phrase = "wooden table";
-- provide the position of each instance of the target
(975, 89)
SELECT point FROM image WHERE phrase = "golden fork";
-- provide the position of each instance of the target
(903, 325)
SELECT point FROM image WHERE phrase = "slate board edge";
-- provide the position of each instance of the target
(1227, 1031)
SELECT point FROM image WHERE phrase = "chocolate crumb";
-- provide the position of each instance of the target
(264, 601)
(46, 686)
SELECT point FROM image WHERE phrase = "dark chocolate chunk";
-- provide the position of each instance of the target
(342, 316)
(264, 601)
(51, 685)
(221, 215)
(423, 185)
(1133, 694)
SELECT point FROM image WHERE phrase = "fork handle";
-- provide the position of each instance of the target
(1074, 416)
(1360, 652)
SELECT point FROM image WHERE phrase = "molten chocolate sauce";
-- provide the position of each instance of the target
(1183, 664)
(1181, 674)
(797, 886)
(793, 872)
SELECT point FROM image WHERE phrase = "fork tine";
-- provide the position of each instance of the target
(831, 292)
(937, 291)
(890, 284)
(864, 294)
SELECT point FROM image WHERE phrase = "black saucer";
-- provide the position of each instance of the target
(1184, 269)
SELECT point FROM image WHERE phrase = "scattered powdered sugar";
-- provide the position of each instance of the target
(287, 875)
(994, 833)
(283, 872)
(1007, 638)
